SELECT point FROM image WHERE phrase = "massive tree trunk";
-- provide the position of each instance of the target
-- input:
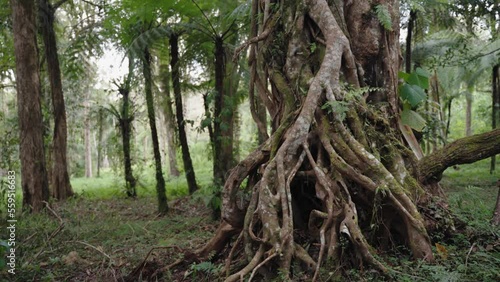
(160, 180)
(323, 157)
(33, 171)
(61, 187)
(336, 179)
(179, 112)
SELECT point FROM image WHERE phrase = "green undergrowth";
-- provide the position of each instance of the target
(105, 239)
(100, 235)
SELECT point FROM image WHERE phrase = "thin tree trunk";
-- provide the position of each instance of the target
(33, 171)
(448, 121)
(169, 121)
(411, 22)
(125, 121)
(468, 111)
(160, 181)
(186, 157)
(100, 121)
(87, 141)
(223, 117)
(495, 119)
(61, 187)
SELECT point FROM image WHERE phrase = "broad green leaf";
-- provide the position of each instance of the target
(419, 80)
(413, 94)
(413, 119)
(422, 72)
(403, 75)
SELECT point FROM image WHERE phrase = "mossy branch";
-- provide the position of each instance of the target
(463, 151)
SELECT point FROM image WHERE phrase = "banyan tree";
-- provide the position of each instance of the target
(341, 178)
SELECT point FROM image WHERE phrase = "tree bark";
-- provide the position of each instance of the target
(223, 117)
(160, 180)
(33, 171)
(186, 157)
(463, 151)
(61, 187)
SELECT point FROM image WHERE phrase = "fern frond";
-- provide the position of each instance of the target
(384, 16)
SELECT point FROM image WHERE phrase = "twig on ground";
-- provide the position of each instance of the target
(468, 254)
(141, 266)
(95, 248)
(52, 235)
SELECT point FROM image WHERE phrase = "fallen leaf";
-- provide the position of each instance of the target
(442, 252)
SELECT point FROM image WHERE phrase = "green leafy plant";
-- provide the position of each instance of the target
(412, 93)
(3, 249)
(205, 269)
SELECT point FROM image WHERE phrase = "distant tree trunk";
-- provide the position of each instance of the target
(232, 76)
(33, 171)
(169, 121)
(495, 119)
(448, 119)
(61, 187)
(186, 157)
(100, 121)
(468, 111)
(411, 22)
(160, 180)
(125, 119)
(86, 137)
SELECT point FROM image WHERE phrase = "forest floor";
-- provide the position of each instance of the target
(101, 237)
